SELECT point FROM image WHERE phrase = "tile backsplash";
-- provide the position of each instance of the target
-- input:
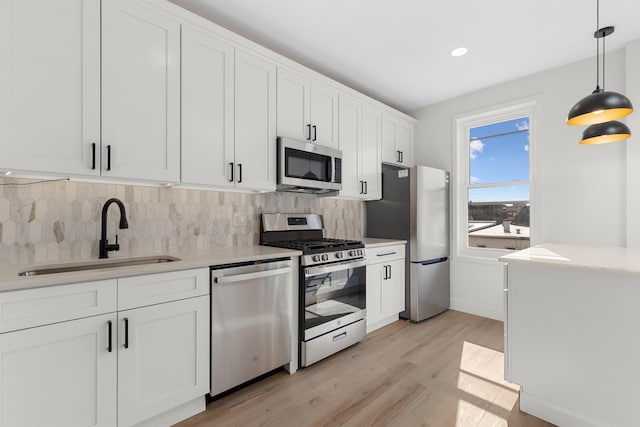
(60, 220)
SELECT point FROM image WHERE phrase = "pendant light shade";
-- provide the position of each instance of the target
(599, 107)
(603, 133)
(602, 108)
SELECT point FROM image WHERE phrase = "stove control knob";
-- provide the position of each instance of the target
(339, 255)
(325, 257)
(360, 252)
(316, 258)
(352, 253)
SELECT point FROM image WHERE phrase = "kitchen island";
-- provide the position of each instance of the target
(571, 339)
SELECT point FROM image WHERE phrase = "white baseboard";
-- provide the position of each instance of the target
(175, 415)
(554, 414)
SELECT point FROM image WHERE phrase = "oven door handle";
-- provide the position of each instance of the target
(314, 271)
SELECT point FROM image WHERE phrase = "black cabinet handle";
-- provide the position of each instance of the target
(315, 132)
(110, 347)
(93, 155)
(366, 187)
(231, 165)
(109, 157)
(402, 157)
(239, 172)
(399, 160)
(361, 186)
(389, 272)
(309, 132)
(126, 332)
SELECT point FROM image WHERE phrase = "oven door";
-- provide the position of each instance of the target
(334, 296)
(305, 166)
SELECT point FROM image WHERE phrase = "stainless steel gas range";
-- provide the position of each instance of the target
(332, 296)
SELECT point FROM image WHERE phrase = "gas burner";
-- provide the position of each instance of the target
(304, 232)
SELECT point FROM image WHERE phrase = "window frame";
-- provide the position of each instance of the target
(461, 170)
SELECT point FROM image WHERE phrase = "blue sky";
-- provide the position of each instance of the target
(500, 158)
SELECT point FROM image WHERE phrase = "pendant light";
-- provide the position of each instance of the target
(601, 106)
(601, 133)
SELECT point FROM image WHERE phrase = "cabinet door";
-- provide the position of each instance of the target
(404, 142)
(370, 165)
(389, 126)
(140, 92)
(207, 108)
(59, 375)
(255, 123)
(375, 303)
(293, 105)
(394, 288)
(166, 359)
(350, 116)
(50, 85)
(324, 115)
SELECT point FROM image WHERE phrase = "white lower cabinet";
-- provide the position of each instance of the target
(69, 358)
(163, 358)
(385, 285)
(59, 375)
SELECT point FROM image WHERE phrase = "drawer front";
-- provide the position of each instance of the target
(332, 342)
(152, 289)
(385, 253)
(42, 306)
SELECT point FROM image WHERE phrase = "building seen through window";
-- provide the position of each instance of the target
(498, 185)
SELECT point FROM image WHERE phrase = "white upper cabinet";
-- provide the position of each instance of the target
(361, 149)
(207, 108)
(397, 140)
(350, 136)
(324, 115)
(254, 164)
(140, 92)
(307, 109)
(50, 86)
(370, 165)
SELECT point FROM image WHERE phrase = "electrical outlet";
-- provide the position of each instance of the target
(239, 220)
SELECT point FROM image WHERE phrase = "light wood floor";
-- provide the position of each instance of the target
(446, 371)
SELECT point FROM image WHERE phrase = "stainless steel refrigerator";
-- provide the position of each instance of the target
(415, 208)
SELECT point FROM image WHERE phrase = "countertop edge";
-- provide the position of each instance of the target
(371, 242)
(10, 281)
(611, 259)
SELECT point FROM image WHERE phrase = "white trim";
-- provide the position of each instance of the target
(460, 169)
(553, 413)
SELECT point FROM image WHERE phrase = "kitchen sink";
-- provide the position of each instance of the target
(95, 265)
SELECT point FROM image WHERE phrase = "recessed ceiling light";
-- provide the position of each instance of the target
(459, 51)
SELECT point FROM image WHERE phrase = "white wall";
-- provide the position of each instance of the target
(579, 192)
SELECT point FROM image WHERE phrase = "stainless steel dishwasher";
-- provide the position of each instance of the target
(251, 312)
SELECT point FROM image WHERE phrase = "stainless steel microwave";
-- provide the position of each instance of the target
(304, 167)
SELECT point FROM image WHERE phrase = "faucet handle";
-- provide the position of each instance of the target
(116, 246)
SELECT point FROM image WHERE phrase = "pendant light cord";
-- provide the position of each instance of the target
(597, 47)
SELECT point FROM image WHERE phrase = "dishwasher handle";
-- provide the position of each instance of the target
(251, 276)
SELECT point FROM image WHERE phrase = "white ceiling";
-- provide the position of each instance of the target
(397, 51)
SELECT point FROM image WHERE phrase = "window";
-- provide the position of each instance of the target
(493, 178)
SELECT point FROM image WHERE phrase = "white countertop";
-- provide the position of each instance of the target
(9, 279)
(371, 242)
(617, 259)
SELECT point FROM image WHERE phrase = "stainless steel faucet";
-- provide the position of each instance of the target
(105, 247)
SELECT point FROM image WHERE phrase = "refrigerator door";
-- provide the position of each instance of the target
(429, 290)
(429, 214)
(389, 218)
